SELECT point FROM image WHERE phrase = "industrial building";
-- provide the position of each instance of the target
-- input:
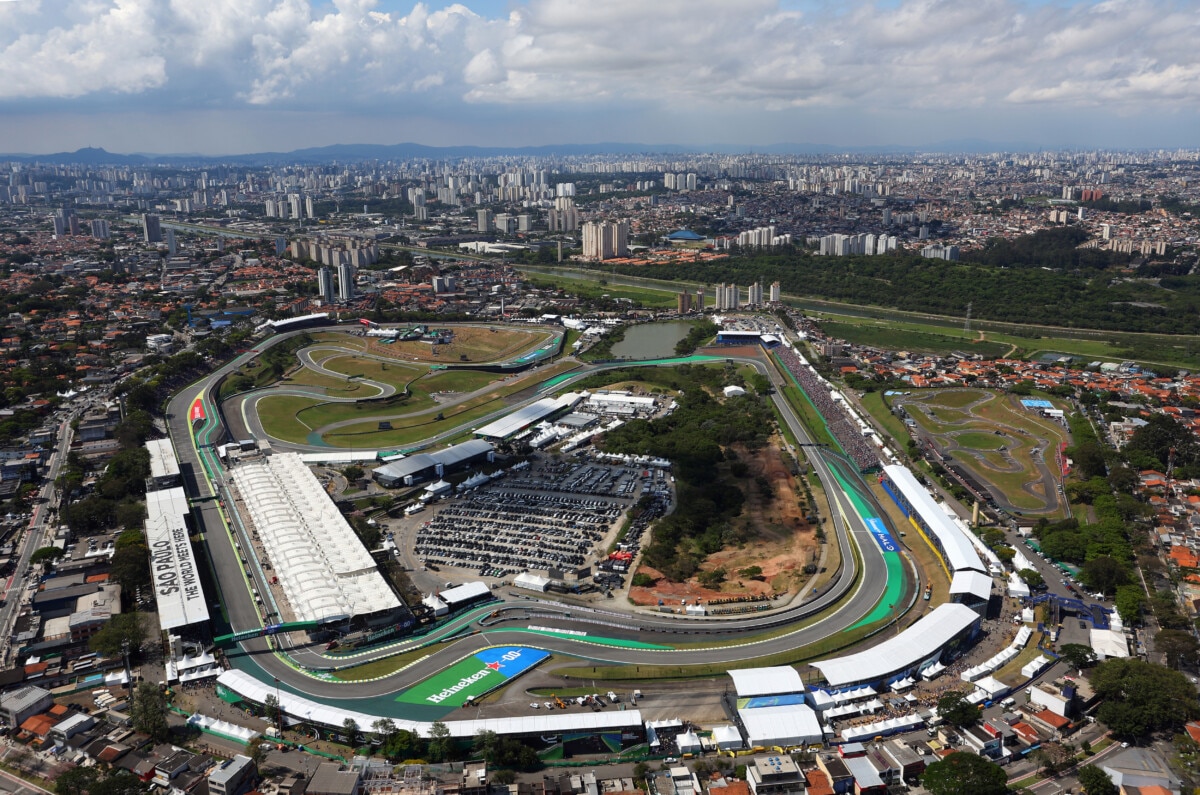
(427, 466)
(323, 568)
(510, 425)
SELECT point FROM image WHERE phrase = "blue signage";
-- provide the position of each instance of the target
(882, 537)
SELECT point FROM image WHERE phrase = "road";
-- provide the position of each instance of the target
(858, 594)
(40, 533)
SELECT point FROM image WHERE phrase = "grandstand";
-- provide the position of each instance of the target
(918, 647)
(323, 568)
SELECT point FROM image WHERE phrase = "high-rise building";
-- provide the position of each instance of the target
(60, 224)
(755, 296)
(605, 239)
(295, 205)
(683, 303)
(325, 285)
(485, 221)
(151, 228)
(774, 292)
(698, 304)
(345, 272)
(563, 216)
(310, 207)
(280, 246)
(172, 250)
(100, 229)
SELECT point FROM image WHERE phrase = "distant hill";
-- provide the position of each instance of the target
(407, 151)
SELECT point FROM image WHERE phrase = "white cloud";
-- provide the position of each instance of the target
(937, 55)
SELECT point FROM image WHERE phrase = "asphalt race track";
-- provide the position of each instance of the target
(855, 596)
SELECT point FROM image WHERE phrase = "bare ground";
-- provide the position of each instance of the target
(778, 540)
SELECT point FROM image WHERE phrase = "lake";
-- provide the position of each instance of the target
(651, 340)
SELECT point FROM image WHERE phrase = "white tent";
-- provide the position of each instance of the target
(727, 738)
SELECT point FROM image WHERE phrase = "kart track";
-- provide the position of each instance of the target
(866, 590)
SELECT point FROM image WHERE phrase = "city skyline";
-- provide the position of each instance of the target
(240, 77)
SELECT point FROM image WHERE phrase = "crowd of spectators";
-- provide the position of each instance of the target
(844, 429)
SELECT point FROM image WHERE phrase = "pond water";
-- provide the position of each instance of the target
(651, 340)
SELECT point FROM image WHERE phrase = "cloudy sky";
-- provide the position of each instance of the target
(231, 76)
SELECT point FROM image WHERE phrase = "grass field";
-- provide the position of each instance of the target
(279, 417)
(1020, 431)
(415, 429)
(894, 336)
(586, 288)
(1028, 341)
(874, 404)
(475, 343)
(976, 440)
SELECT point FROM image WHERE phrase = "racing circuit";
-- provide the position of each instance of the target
(873, 588)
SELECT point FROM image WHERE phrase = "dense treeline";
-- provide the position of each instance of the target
(696, 438)
(1008, 284)
(1127, 206)
(1048, 248)
(699, 333)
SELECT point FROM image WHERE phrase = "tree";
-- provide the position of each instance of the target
(353, 473)
(1095, 781)
(962, 772)
(384, 728)
(149, 712)
(255, 750)
(485, 745)
(954, 708)
(1180, 647)
(271, 709)
(46, 555)
(504, 777)
(1032, 577)
(122, 628)
(1129, 601)
(76, 781)
(350, 731)
(1077, 655)
(1142, 697)
(439, 741)
(1104, 574)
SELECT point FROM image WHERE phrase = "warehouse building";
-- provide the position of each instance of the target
(428, 466)
(510, 425)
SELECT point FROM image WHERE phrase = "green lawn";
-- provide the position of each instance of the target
(976, 440)
(895, 336)
(589, 289)
(957, 398)
(278, 415)
(874, 404)
(456, 381)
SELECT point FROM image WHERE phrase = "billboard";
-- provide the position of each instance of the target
(474, 676)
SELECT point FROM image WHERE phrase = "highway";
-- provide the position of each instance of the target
(859, 585)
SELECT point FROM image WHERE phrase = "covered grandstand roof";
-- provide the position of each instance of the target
(974, 583)
(423, 462)
(177, 587)
(523, 417)
(781, 726)
(163, 463)
(303, 710)
(775, 681)
(324, 569)
(960, 553)
(915, 645)
(685, 235)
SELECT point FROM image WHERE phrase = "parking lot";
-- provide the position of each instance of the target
(557, 514)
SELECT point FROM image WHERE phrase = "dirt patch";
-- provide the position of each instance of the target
(776, 543)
